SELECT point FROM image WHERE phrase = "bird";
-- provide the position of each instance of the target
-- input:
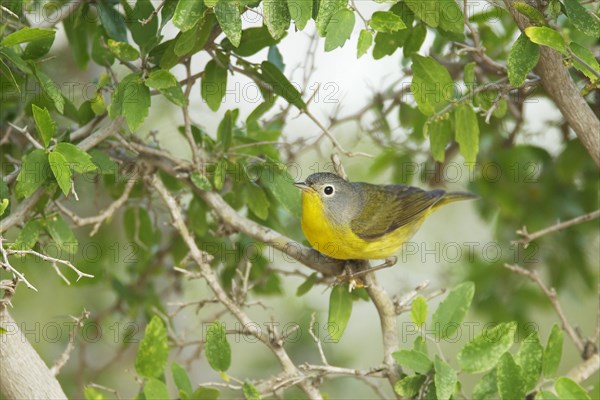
(362, 221)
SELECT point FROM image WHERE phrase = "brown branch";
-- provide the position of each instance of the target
(551, 295)
(202, 260)
(387, 318)
(530, 237)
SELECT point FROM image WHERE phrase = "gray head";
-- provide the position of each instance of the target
(341, 201)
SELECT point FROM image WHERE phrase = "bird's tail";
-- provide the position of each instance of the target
(451, 197)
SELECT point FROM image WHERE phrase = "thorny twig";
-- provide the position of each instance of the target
(551, 294)
(530, 237)
(62, 360)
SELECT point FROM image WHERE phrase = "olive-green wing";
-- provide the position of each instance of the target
(387, 208)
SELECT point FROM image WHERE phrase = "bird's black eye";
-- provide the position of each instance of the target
(328, 190)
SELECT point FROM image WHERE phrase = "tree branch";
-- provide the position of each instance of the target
(561, 88)
(551, 294)
(202, 260)
(530, 237)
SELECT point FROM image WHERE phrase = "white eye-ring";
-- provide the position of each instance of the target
(328, 190)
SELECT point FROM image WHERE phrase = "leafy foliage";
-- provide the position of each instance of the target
(461, 89)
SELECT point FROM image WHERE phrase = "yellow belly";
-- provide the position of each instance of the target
(341, 243)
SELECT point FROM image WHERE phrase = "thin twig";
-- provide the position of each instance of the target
(62, 360)
(25, 132)
(97, 220)
(6, 265)
(316, 339)
(51, 259)
(551, 294)
(530, 237)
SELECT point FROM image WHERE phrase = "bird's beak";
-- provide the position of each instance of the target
(302, 186)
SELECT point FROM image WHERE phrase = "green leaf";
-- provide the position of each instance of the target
(445, 379)
(123, 51)
(35, 170)
(61, 233)
(440, 133)
(250, 391)
(258, 202)
(100, 54)
(415, 40)
(281, 85)
(219, 175)
(145, 35)
(181, 378)
(523, 57)
(545, 395)
(307, 284)
(432, 84)
(566, 388)
(27, 35)
(112, 21)
(529, 358)
(582, 19)
(365, 40)
(151, 358)
(327, 8)
(420, 345)
(160, 79)
(175, 95)
(418, 310)
(201, 182)
(553, 352)
(547, 37)
(230, 21)
(487, 387)
(92, 394)
(413, 359)
(588, 58)
(452, 310)
(467, 131)
(409, 386)
(534, 15)
(77, 159)
(51, 90)
(225, 130)
(386, 44)
(511, 384)
(155, 390)
(28, 236)
(61, 171)
(104, 164)
(38, 48)
(280, 185)
(300, 11)
(213, 84)
(187, 14)
(4, 203)
(340, 309)
(205, 393)
(339, 29)
(443, 13)
(275, 58)
(44, 122)
(218, 351)
(276, 17)
(131, 100)
(253, 40)
(386, 21)
(483, 352)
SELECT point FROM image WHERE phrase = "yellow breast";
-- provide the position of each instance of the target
(340, 242)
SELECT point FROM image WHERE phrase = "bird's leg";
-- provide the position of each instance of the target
(389, 262)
